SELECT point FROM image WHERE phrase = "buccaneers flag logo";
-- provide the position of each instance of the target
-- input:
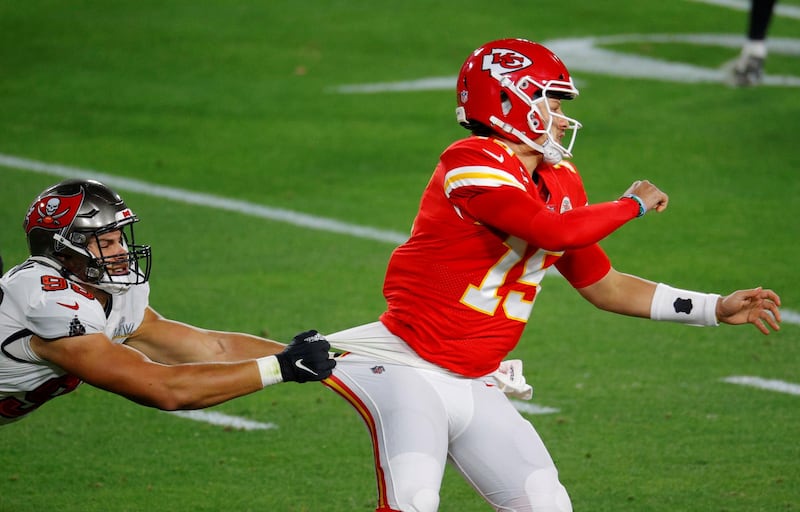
(53, 212)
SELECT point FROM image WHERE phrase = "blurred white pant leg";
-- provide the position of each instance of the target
(504, 459)
(408, 425)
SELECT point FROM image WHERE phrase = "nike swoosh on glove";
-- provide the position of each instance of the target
(511, 381)
(306, 358)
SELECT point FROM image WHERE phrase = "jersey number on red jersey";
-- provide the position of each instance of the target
(486, 297)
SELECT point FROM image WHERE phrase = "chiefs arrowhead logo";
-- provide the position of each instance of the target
(502, 61)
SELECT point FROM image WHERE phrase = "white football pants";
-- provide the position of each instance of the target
(419, 419)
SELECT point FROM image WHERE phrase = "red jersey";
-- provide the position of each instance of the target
(462, 288)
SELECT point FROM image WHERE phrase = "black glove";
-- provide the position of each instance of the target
(306, 358)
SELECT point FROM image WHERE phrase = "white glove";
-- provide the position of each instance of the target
(511, 381)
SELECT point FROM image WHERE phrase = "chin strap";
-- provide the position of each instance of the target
(550, 150)
(551, 153)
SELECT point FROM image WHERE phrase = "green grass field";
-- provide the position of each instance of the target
(239, 99)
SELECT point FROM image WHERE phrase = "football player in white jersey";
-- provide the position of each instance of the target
(77, 311)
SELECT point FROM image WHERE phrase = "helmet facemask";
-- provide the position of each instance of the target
(112, 273)
(540, 117)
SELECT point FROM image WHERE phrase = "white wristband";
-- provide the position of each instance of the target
(682, 306)
(270, 370)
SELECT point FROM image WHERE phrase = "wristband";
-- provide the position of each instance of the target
(642, 207)
(270, 370)
(683, 306)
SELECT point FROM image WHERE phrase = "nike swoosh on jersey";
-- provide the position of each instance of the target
(299, 364)
(499, 158)
(74, 306)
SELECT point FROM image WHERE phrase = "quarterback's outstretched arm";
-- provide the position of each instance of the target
(517, 213)
(627, 294)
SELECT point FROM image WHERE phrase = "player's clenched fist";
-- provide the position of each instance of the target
(649, 196)
(306, 358)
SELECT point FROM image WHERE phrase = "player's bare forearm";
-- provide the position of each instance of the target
(621, 293)
(200, 385)
(171, 342)
(127, 372)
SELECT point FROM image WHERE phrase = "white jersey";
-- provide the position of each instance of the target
(36, 300)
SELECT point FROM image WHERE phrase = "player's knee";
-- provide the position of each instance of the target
(559, 502)
(424, 500)
(416, 480)
(545, 492)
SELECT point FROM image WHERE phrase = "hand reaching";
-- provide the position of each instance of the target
(755, 306)
(306, 358)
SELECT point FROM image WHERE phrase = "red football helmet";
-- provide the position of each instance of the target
(504, 85)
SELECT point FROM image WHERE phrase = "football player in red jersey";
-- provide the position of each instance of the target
(78, 310)
(502, 206)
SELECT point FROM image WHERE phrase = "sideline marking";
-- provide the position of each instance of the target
(224, 420)
(209, 200)
(770, 385)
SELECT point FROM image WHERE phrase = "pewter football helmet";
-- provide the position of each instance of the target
(66, 217)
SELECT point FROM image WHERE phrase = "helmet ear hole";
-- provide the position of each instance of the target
(536, 123)
(78, 239)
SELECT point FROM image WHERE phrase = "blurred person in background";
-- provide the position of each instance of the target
(77, 310)
(748, 69)
(503, 205)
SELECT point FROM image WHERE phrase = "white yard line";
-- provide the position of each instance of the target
(529, 408)
(790, 317)
(224, 420)
(767, 384)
